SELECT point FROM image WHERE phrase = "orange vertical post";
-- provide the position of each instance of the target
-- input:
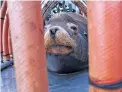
(6, 55)
(27, 34)
(10, 44)
(105, 46)
(2, 12)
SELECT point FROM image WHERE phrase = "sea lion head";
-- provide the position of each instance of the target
(65, 42)
(61, 34)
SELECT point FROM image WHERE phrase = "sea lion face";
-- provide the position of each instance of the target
(61, 35)
(65, 43)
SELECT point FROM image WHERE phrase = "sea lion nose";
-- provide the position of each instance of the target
(53, 32)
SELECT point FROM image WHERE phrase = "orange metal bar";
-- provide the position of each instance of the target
(81, 6)
(28, 46)
(6, 55)
(2, 15)
(105, 45)
(10, 44)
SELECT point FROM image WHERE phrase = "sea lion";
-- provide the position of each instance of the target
(66, 43)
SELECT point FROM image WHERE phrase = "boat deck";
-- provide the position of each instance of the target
(77, 82)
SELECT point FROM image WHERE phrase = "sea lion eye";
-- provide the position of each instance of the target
(56, 29)
(73, 27)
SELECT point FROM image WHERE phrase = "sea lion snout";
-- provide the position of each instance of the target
(58, 40)
(53, 32)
